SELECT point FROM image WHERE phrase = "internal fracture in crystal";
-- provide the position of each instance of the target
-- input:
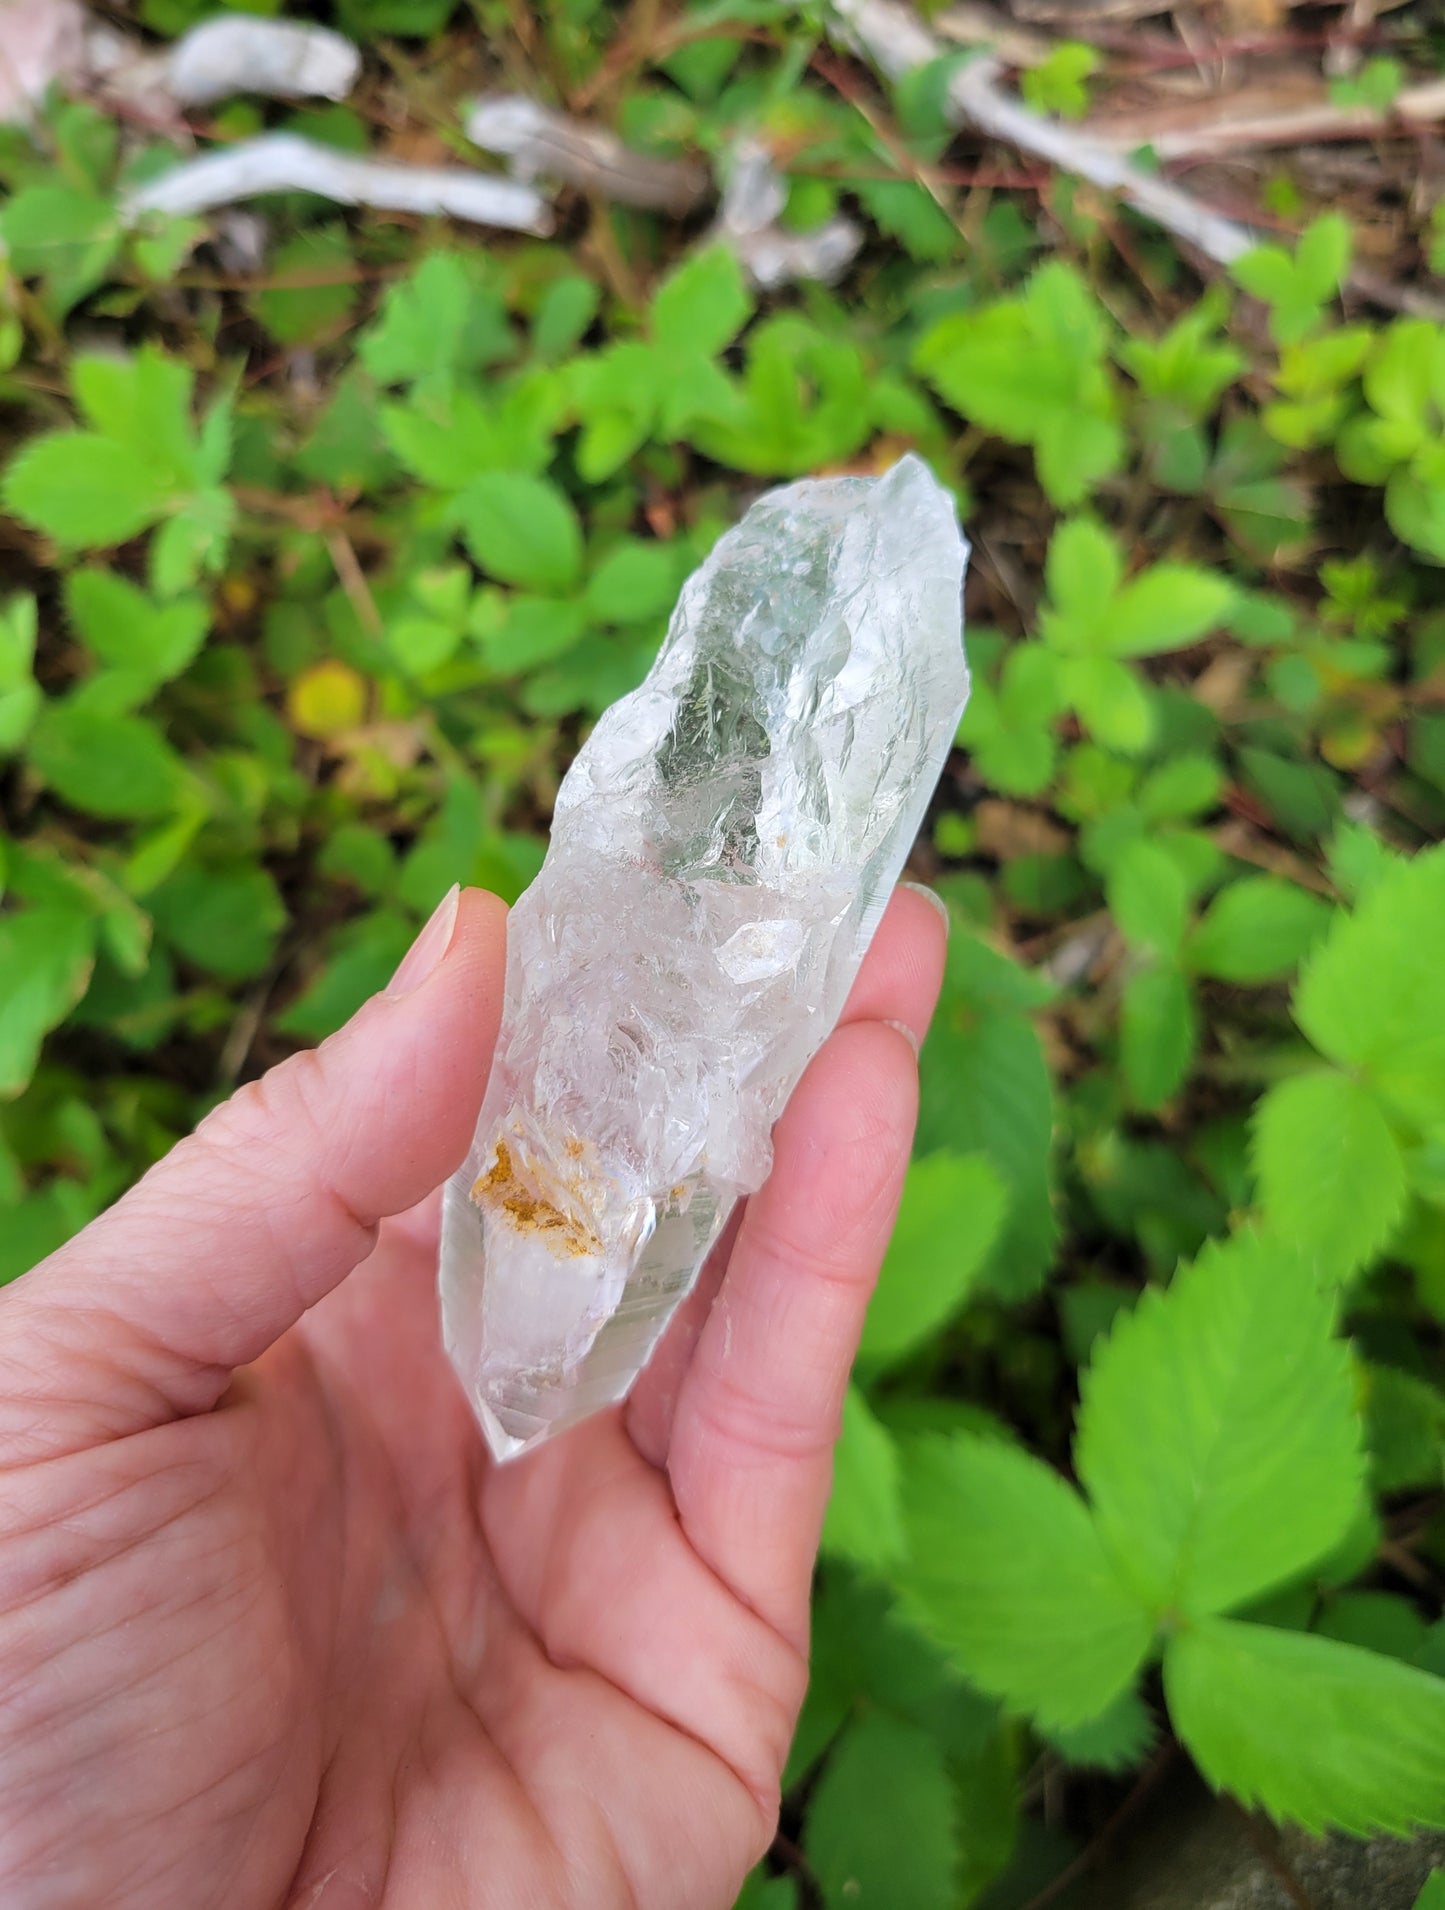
(722, 850)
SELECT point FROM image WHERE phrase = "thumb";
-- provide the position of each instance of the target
(274, 1198)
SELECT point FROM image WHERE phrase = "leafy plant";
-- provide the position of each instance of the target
(319, 572)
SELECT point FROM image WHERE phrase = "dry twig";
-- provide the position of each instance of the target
(898, 41)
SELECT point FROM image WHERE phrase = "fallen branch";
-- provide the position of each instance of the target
(278, 58)
(542, 144)
(898, 41)
(284, 162)
(1216, 132)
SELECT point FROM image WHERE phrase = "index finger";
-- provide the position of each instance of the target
(758, 1412)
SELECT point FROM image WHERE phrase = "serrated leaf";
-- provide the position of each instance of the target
(521, 529)
(881, 1826)
(440, 321)
(1158, 1033)
(82, 489)
(1118, 1740)
(1218, 1438)
(952, 1210)
(864, 1521)
(1257, 929)
(144, 403)
(1008, 1573)
(126, 629)
(1313, 1732)
(1330, 1172)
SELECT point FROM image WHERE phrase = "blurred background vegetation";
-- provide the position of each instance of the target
(331, 532)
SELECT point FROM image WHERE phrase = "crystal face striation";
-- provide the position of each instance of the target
(722, 850)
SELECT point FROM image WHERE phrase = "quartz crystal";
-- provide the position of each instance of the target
(722, 850)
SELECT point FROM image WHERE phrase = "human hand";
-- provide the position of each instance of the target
(274, 1631)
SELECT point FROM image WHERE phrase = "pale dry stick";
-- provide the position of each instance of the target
(1413, 109)
(284, 162)
(897, 41)
(542, 144)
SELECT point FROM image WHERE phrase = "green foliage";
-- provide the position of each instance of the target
(881, 1826)
(1035, 1611)
(1059, 83)
(1308, 1729)
(952, 1211)
(1297, 287)
(319, 574)
(1033, 369)
(1218, 1438)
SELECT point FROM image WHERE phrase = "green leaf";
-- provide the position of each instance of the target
(1322, 257)
(1158, 1033)
(358, 968)
(126, 629)
(1083, 570)
(1257, 930)
(1432, 1897)
(952, 1211)
(1118, 1740)
(226, 921)
(437, 323)
(702, 306)
(1372, 996)
(864, 1521)
(986, 1088)
(1008, 1573)
(1330, 1172)
(45, 957)
(321, 292)
(1218, 1438)
(908, 212)
(1149, 897)
(1187, 785)
(634, 582)
(522, 529)
(82, 489)
(761, 1892)
(1405, 1421)
(1375, 1621)
(1314, 1732)
(881, 1827)
(1112, 700)
(114, 766)
(1166, 608)
(65, 234)
(144, 403)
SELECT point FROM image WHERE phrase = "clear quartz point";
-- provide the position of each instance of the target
(722, 850)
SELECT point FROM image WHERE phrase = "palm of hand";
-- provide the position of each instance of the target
(294, 1642)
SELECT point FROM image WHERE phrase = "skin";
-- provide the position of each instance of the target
(275, 1632)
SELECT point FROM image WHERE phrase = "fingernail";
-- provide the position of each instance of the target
(933, 899)
(429, 947)
(904, 1029)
